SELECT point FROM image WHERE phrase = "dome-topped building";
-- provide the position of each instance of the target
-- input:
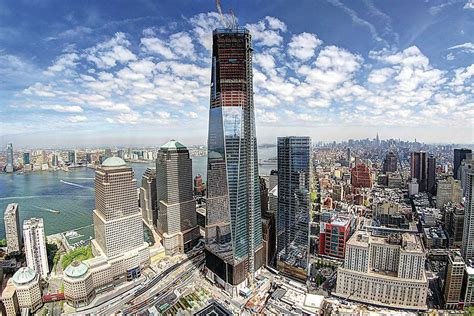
(22, 291)
(114, 162)
(76, 269)
(79, 288)
(173, 145)
(24, 276)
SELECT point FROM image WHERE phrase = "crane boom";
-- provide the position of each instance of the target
(228, 23)
(219, 9)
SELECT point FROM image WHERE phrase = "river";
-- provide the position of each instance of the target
(43, 193)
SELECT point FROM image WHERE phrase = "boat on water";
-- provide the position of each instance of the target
(72, 234)
(47, 209)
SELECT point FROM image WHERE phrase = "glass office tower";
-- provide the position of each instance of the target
(294, 202)
(9, 167)
(233, 221)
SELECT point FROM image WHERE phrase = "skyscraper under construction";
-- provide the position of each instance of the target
(233, 222)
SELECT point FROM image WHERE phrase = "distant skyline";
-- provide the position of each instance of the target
(138, 72)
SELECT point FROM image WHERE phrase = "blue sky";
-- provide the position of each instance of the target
(137, 72)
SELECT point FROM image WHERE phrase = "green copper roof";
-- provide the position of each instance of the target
(114, 162)
(76, 269)
(24, 275)
(173, 145)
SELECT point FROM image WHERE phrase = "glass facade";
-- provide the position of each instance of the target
(9, 166)
(294, 201)
(233, 222)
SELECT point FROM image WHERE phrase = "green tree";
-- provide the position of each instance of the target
(80, 253)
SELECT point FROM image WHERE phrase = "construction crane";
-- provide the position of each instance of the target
(228, 22)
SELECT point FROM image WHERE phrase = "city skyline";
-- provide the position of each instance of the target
(339, 70)
(300, 225)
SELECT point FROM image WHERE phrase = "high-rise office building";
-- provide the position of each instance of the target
(44, 157)
(453, 280)
(10, 166)
(454, 223)
(120, 153)
(431, 175)
(233, 222)
(263, 196)
(12, 228)
(71, 156)
(268, 224)
(349, 157)
(459, 155)
(466, 166)
(148, 202)
(390, 162)
(118, 226)
(468, 232)
(26, 158)
(177, 221)
(120, 252)
(108, 153)
(35, 246)
(448, 190)
(54, 160)
(272, 180)
(89, 157)
(418, 169)
(294, 202)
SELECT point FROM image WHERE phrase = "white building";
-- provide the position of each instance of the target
(35, 246)
(384, 270)
(413, 187)
(12, 228)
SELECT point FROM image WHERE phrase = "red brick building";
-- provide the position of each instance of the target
(361, 176)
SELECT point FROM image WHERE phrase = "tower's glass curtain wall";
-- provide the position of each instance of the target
(294, 185)
(233, 224)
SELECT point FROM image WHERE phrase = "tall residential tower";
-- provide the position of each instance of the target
(233, 223)
(35, 246)
(12, 228)
(294, 202)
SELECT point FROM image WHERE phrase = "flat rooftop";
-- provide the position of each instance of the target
(406, 241)
(341, 219)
